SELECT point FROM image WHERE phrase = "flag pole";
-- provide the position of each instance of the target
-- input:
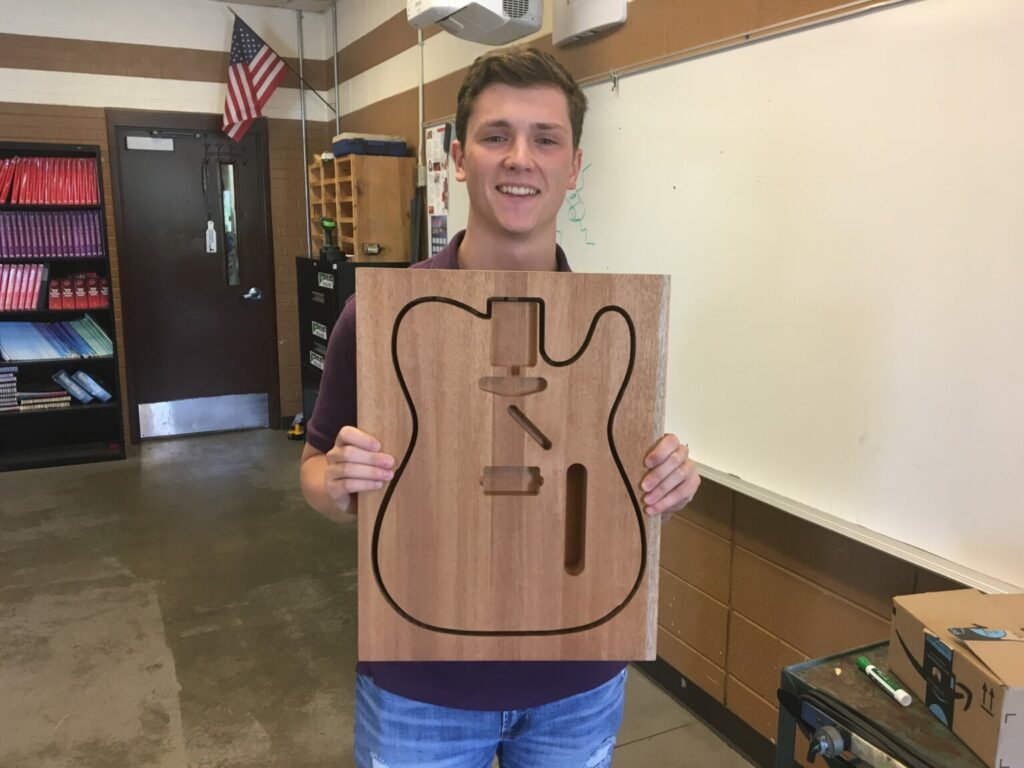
(290, 67)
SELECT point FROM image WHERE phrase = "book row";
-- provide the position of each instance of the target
(85, 290)
(49, 181)
(27, 287)
(50, 234)
(29, 342)
(21, 286)
(78, 386)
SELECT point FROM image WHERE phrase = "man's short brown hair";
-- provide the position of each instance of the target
(519, 67)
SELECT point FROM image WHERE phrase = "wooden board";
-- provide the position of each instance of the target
(519, 407)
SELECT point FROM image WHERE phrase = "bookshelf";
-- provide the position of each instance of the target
(370, 197)
(56, 310)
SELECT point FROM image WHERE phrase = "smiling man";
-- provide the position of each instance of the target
(518, 125)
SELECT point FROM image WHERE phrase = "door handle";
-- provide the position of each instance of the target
(253, 294)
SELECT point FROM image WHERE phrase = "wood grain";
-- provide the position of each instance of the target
(512, 528)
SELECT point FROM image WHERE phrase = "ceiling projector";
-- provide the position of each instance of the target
(493, 22)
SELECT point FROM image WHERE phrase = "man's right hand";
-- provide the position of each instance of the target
(355, 464)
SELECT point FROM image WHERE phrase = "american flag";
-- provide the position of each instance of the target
(254, 71)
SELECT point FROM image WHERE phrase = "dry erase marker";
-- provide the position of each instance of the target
(885, 682)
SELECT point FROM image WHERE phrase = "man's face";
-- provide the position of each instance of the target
(518, 160)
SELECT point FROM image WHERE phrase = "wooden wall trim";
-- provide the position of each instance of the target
(97, 57)
(394, 36)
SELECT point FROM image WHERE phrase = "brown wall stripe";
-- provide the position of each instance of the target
(656, 29)
(94, 57)
(378, 45)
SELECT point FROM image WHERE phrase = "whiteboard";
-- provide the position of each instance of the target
(841, 212)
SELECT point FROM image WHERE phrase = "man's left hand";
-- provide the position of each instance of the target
(671, 480)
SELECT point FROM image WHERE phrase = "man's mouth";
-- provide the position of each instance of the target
(517, 191)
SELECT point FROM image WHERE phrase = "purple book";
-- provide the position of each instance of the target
(65, 242)
(55, 235)
(51, 248)
(35, 235)
(77, 236)
(19, 235)
(97, 247)
(38, 236)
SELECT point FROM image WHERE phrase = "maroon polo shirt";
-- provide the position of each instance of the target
(490, 685)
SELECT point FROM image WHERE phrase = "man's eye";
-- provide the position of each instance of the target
(494, 139)
(546, 140)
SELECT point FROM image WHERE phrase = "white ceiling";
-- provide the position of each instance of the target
(315, 6)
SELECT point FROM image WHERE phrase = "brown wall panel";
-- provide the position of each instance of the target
(693, 616)
(864, 575)
(696, 668)
(759, 713)
(643, 37)
(389, 39)
(762, 715)
(691, 23)
(810, 618)
(59, 54)
(927, 581)
(756, 657)
(697, 556)
(395, 115)
(712, 508)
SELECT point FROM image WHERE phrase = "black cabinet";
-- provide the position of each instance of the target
(55, 281)
(323, 291)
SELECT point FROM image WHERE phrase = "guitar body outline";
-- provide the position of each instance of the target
(635, 514)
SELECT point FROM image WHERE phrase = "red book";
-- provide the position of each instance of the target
(54, 298)
(30, 287)
(104, 292)
(79, 181)
(37, 299)
(92, 292)
(5, 270)
(6, 176)
(81, 297)
(17, 283)
(24, 271)
(30, 186)
(40, 180)
(16, 182)
(16, 286)
(12, 279)
(90, 181)
(33, 181)
(69, 180)
(29, 297)
(67, 293)
(95, 176)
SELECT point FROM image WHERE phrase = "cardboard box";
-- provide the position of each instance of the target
(961, 653)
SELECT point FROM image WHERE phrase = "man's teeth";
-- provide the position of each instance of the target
(510, 190)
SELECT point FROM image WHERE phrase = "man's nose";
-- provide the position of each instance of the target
(520, 154)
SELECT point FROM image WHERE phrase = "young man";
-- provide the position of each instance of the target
(518, 125)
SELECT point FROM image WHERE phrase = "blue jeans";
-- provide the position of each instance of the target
(576, 732)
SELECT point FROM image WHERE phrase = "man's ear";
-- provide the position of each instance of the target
(577, 163)
(459, 159)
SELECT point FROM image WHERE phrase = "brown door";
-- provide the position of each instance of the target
(198, 296)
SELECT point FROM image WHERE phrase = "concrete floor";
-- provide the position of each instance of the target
(186, 608)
